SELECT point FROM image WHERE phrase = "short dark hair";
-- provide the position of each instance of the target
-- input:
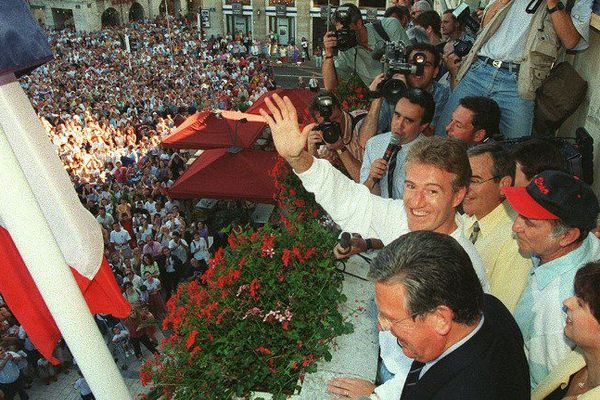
(435, 270)
(424, 99)
(538, 155)
(402, 11)
(430, 18)
(587, 286)
(445, 153)
(428, 47)
(486, 113)
(502, 163)
(450, 11)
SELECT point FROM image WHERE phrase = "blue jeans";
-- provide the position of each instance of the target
(500, 85)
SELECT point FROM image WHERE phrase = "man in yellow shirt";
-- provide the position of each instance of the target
(488, 221)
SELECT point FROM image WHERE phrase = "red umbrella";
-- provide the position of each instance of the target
(205, 130)
(223, 174)
(301, 98)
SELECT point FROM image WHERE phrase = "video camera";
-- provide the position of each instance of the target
(346, 37)
(394, 58)
(462, 47)
(462, 13)
(331, 130)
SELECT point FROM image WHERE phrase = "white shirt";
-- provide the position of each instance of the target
(120, 238)
(508, 42)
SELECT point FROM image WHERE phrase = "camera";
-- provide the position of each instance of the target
(331, 130)
(346, 37)
(462, 47)
(394, 58)
(462, 13)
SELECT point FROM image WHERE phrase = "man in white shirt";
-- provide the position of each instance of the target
(119, 237)
(437, 177)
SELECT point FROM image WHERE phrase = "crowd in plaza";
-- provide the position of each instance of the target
(495, 296)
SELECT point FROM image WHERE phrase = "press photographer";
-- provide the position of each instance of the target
(336, 136)
(514, 52)
(348, 49)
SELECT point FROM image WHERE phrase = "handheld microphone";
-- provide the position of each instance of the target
(394, 142)
(345, 242)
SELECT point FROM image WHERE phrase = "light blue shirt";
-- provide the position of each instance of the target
(374, 149)
(358, 58)
(10, 372)
(540, 314)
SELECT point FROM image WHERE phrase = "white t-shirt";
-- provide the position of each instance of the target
(119, 238)
(508, 42)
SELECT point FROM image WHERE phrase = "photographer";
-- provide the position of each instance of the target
(426, 55)
(430, 22)
(452, 29)
(355, 42)
(512, 55)
(476, 120)
(336, 138)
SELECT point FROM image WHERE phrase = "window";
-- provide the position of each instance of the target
(288, 3)
(318, 3)
(372, 3)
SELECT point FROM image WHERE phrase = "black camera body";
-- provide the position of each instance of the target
(395, 61)
(462, 13)
(462, 47)
(330, 130)
(346, 38)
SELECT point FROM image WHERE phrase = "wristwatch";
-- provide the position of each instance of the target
(559, 6)
(341, 150)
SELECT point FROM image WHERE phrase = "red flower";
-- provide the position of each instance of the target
(285, 257)
(285, 325)
(299, 203)
(298, 254)
(191, 339)
(254, 286)
(310, 252)
(263, 350)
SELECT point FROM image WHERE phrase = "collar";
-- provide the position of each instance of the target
(495, 217)
(547, 272)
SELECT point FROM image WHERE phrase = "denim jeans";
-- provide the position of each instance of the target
(500, 85)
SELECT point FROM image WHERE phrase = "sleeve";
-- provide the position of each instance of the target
(581, 15)
(394, 29)
(351, 205)
(366, 163)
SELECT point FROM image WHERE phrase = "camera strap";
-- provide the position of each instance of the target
(381, 31)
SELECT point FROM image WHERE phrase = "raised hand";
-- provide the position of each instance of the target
(289, 141)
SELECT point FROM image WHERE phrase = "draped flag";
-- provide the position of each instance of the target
(78, 235)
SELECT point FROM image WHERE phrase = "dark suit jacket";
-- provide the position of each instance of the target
(489, 366)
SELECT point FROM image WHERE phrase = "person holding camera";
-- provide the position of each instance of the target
(354, 41)
(336, 138)
(514, 52)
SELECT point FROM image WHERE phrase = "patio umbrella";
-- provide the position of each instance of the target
(228, 174)
(206, 130)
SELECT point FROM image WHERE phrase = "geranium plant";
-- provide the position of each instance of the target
(264, 312)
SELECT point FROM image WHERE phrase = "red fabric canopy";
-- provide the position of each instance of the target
(301, 99)
(220, 174)
(204, 130)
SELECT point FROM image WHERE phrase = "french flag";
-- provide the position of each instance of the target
(77, 234)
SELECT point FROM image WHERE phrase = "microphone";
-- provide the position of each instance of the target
(345, 242)
(394, 142)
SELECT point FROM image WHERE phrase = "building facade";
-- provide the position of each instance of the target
(286, 20)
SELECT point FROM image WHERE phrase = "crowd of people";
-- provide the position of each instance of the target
(106, 109)
(426, 176)
(483, 245)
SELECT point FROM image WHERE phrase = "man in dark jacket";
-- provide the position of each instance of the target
(464, 344)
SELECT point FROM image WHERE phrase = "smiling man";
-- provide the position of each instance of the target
(437, 177)
(556, 213)
(464, 343)
(488, 221)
